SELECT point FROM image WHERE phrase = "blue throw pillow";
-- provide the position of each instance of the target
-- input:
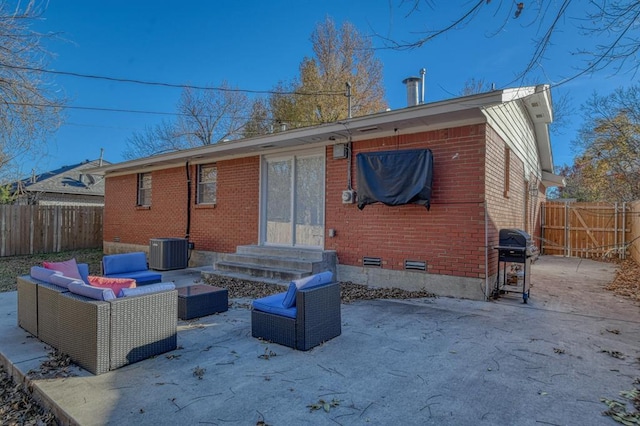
(96, 293)
(151, 288)
(311, 281)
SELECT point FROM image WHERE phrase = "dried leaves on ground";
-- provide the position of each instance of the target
(17, 407)
(627, 280)
(350, 292)
(57, 366)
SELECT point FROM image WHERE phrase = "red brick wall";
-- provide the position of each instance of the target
(450, 237)
(233, 221)
(166, 217)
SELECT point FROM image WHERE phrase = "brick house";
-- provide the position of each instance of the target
(288, 194)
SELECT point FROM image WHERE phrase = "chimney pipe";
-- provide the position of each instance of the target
(412, 90)
(423, 72)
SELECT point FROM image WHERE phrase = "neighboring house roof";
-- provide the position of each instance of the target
(74, 179)
(466, 110)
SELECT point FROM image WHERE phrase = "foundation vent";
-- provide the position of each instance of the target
(415, 265)
(372, 261)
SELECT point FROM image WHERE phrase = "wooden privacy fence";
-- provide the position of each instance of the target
(48, 229)
(587, 230)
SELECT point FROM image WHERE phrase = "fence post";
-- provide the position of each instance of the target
(624, 230)
(615, 227)
(567, 250)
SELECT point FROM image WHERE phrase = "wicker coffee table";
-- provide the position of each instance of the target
(201, 300)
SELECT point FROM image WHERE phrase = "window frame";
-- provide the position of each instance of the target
(143, 198)
(203, 183)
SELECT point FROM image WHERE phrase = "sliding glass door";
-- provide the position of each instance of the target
(293, 198)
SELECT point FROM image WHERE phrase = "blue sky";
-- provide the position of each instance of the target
(254, 44)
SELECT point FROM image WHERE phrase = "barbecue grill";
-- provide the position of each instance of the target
(515, 247)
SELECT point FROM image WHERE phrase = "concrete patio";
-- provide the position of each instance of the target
(429, 361)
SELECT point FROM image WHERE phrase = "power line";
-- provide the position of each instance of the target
(172, 85)
(137, 111)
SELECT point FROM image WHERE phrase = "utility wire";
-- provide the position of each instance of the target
(136, 111)
(165, 84)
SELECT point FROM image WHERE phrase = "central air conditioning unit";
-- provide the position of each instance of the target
(168, 253)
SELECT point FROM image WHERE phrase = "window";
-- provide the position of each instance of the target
(207, 183)
(144, 189)
(507, 170)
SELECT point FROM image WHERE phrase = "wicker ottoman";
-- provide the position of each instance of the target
(201, 300)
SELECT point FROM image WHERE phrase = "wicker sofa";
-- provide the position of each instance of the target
(99, 335)
(314, 318)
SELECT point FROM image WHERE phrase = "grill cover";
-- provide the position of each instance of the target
(395, 177)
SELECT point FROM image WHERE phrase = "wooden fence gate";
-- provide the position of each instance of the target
(587, 230)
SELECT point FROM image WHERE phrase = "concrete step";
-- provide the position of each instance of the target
(261, 270)
(286, 252)
(246, 277)
(270, 261)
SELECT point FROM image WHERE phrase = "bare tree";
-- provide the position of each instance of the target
(29, 108)
(204, 117)
(609, 29)
(473, 87)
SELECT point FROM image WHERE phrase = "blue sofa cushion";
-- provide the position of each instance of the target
(153, 288)
(311, 281)
(83, 268)
(96, 293)
(43, 274)
(273, 305)
(124, 262)
(141, 277)
(62, 281)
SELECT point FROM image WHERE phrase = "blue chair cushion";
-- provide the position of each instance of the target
(124, 262)
(273, 305)
(152, 288)
(311, 281)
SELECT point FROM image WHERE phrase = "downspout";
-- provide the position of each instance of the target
(486, 253)
(188, 230)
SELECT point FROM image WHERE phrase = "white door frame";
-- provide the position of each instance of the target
(263, 225)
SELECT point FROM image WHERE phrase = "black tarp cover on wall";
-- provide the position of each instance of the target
(395, 177)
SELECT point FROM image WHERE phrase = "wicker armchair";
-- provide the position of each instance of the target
(318, 319)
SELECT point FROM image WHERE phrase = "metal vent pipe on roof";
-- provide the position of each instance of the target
(415, 88)
(412, 84)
